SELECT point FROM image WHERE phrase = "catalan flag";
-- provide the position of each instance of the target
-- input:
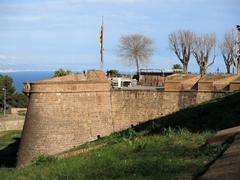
(101, 45)
(101, 36)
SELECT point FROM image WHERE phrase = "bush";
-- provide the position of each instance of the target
(42, 159)
(19, 100)
(139, 146)
(61, 72)
(13, 99)
(131, 133)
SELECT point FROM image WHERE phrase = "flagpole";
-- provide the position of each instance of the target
(101, 44)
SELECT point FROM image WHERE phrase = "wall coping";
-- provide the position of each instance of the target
(158, 90)
(199, 82)
(68, 82)
(65, 92)
(173, 81)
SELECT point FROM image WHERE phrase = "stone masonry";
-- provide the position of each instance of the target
(67, 112)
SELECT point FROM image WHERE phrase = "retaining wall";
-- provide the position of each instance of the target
(11, 122)
(11, 125)
(63, 115)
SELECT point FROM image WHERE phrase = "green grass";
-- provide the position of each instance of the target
(9, 143)
(172, 147)
(1, 113)
(172, 155)
(8, 137)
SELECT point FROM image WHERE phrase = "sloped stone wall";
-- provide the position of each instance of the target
(57, 121)
(62, 115)
(131, 107)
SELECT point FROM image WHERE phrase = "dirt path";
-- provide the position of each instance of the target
(227, 167)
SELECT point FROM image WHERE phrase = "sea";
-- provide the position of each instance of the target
(19, 78)
(28, 76)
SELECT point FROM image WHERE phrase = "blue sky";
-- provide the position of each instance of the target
(51, 34)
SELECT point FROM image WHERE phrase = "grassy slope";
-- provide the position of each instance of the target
(9, 142)
(147, 150)
(8, 137)
(174, 155)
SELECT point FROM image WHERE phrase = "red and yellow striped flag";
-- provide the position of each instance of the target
(101, 36)
(101, 45)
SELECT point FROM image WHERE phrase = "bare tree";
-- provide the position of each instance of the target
(237, 50)
(181, 44)
(227, 49)
(202, 47)
(135, 49)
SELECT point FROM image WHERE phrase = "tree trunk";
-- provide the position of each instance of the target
(238, 65)
(185, 68)
(138, 71)
(228, 69)
(202, 71)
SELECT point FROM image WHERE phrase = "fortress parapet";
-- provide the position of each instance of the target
(179, 82)
(65, 112)
(208, 82)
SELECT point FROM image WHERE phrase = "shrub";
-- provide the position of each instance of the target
(42, 159)
(131, 133)
(138, 146)
(61, 72)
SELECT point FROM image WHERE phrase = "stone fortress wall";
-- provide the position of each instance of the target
(131, 107)
(13, 120)
(68, 111)
(11, 123)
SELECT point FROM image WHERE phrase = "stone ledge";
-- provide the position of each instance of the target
(223, 135)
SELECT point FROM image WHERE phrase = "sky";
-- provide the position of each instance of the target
(45, 35)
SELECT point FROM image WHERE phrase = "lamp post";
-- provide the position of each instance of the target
(238, 49)
(4, 101)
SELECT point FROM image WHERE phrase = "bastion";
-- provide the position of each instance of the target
(68, 111)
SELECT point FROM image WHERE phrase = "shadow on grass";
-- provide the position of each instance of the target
(8, 155)
(165, 161)
(215, 115)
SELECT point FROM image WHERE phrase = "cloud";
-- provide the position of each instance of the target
(3, 57)
(6, 59)
(26, 18)
(54, 31)
(7, 70)
(106, 1)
